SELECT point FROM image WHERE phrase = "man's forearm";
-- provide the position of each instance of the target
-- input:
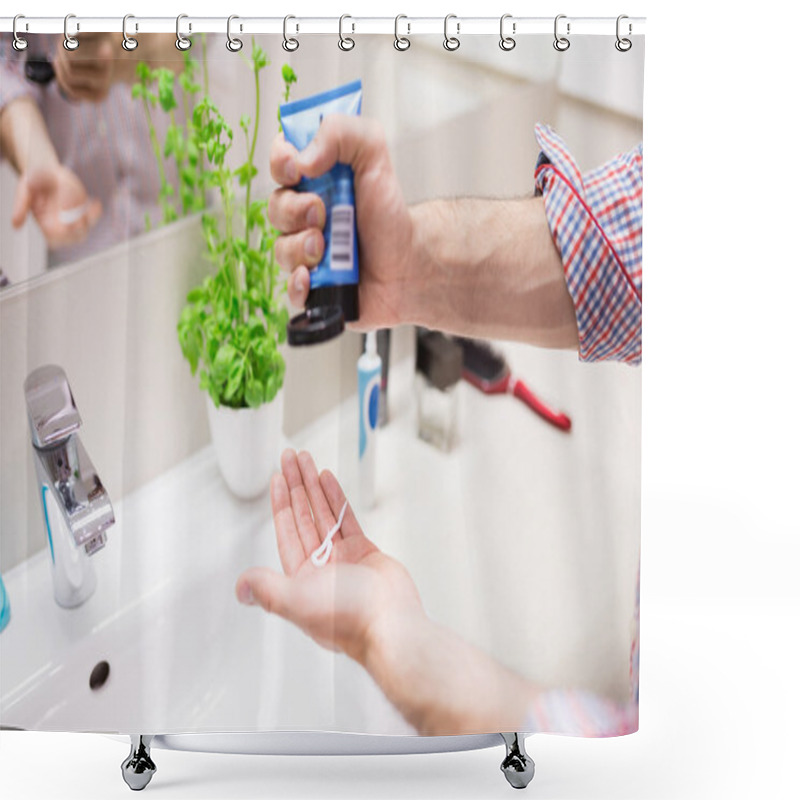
(489, 268)
(24, 138)
(441, 684)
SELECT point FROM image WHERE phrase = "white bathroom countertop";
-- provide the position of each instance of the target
(518, 516)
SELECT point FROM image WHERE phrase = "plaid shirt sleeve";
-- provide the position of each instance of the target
(596, 223)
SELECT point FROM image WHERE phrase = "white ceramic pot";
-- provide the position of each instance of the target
(248, 443)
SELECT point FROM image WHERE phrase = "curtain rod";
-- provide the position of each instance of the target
(299, 26)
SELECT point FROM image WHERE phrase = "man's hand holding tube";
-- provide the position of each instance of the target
(473, 266)
(383, 219)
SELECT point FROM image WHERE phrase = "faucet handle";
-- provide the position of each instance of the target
(52, 414)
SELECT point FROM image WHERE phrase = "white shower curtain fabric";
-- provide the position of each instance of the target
(480, 581)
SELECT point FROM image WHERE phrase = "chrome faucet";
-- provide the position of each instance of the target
(77, 510)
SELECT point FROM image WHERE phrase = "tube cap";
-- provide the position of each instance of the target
(315, 325)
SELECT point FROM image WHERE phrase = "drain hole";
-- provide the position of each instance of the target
(99, 675)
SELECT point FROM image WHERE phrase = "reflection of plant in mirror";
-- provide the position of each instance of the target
(156, 89)
(234, 321)
(288, 79)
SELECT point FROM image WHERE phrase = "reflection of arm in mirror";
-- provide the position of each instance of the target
(39, 124)
(50, 191)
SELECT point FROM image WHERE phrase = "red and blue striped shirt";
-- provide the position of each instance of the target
(596, 223)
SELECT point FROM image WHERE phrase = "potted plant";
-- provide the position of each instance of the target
(234, 321)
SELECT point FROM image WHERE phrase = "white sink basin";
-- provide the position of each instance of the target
(184, 655)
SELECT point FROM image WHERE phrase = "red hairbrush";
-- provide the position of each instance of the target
(486, 369)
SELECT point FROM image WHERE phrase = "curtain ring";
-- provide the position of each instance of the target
(181, 42)
(507, 42)
(346, 43)
(401, 42)
(561, 43)
(623, 45)
(233, 44)
(290, 44)
(451, 43)
(18, 43)
(70, 42)
(129, 43)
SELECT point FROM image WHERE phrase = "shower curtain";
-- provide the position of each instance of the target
(482, 570)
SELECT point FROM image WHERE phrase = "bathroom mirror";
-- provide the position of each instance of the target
(82, 126)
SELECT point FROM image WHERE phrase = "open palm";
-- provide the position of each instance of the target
(59, 203)
(338, 604)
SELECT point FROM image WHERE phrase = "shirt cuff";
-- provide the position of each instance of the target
(596, 224)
